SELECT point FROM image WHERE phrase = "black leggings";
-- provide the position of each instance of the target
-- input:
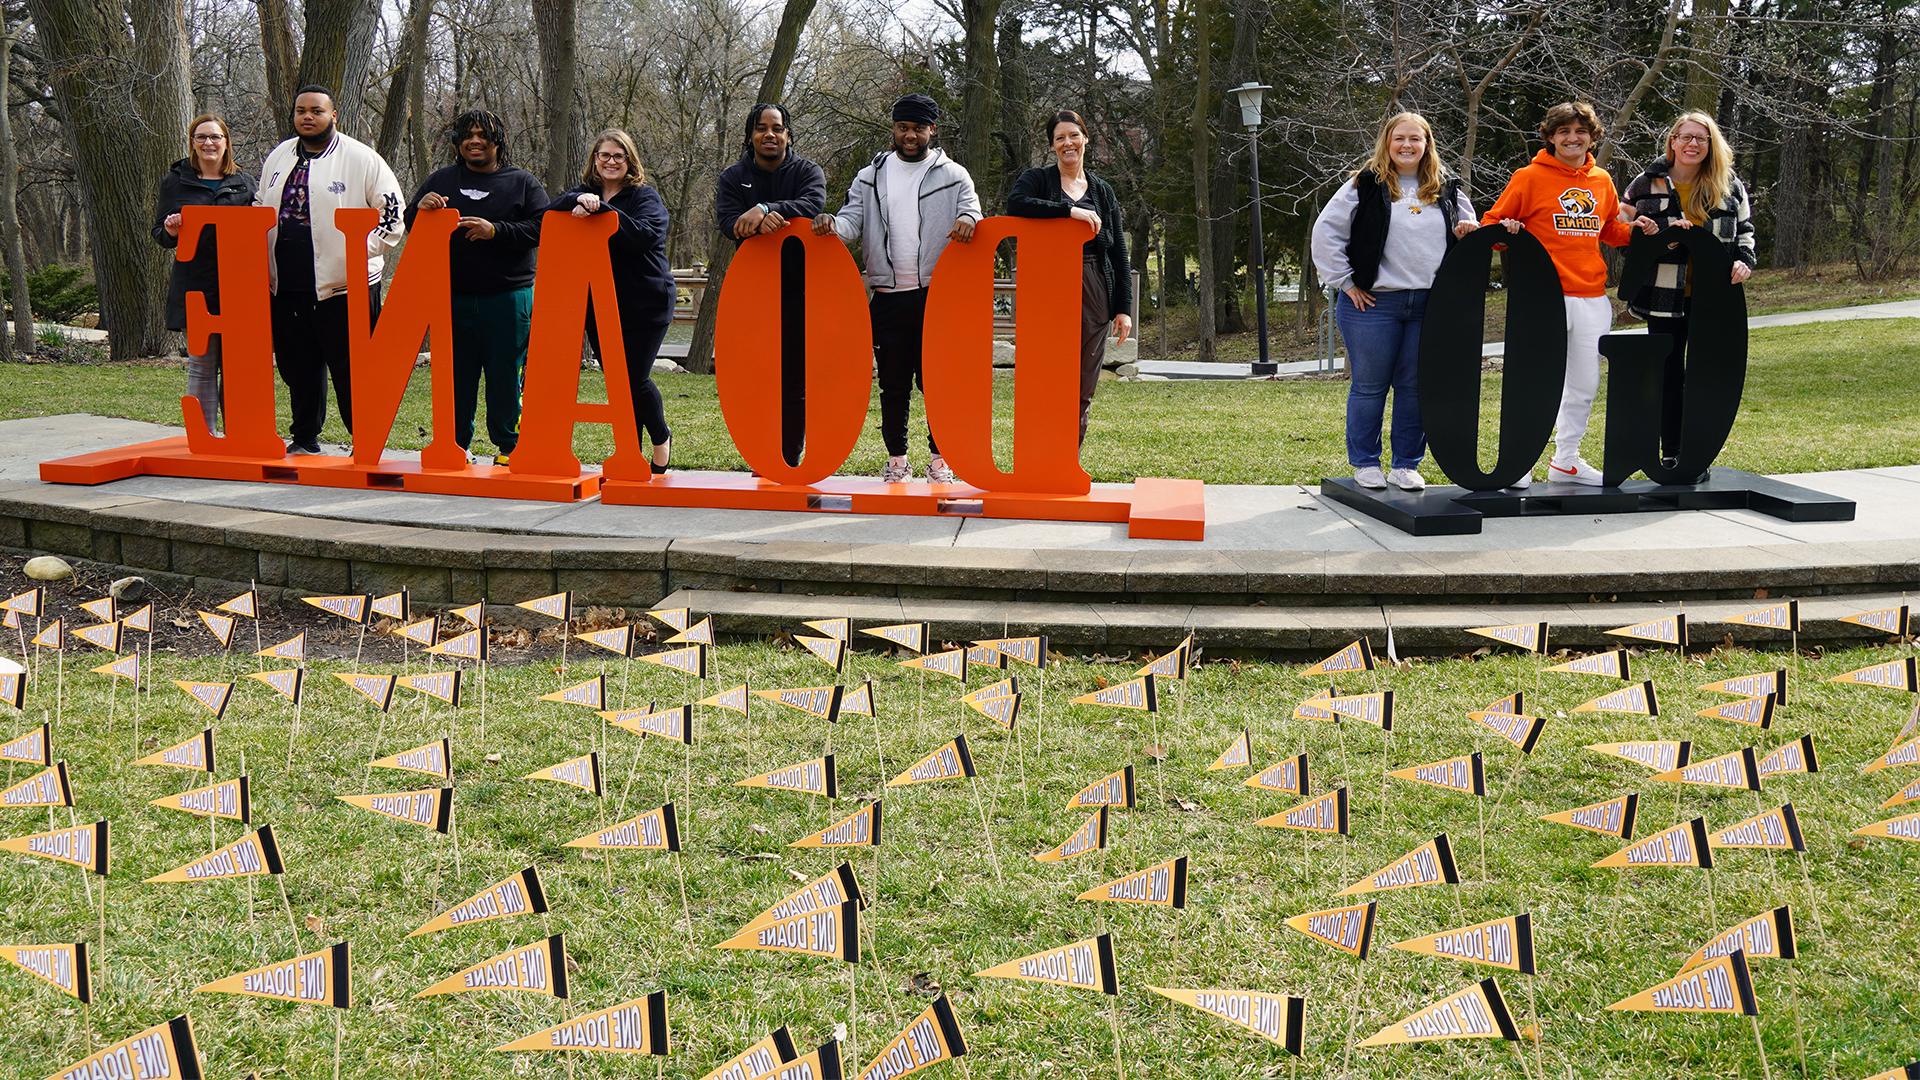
(642, 338)
(1673, 397)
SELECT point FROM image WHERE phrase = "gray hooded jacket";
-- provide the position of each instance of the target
(946, 196)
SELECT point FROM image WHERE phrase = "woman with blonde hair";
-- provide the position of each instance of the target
(207, 176)
(614, 182)
(1379, 241)
(1693, 185)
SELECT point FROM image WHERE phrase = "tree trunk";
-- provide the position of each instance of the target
(1793, 198)
(773, 83)
(554, 21)
(276, 41)
(16, 252)
(339, 42)
(1229, 316)
(398, 112)
(980, 96)
(1015, 96)
(1706, 50)
(1202, 138)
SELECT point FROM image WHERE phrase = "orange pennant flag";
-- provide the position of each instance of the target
(1160, 885)
(429, 808)
(317, 978)
(1083, 965)
(1503, 943)
(638, 1026)
(858, 829)
(1721, 986)
(1277, 1018)
(1429, 864)
(1478, 1012)
(520, 894)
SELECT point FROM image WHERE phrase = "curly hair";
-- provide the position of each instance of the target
(491, 127)
(1578, 113)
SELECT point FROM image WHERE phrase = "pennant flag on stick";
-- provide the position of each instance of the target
(163, 1050)
(1722, 985)
(675, 723)
(913, 636)
(1031, 651)
(1765, 682)
(1909, 1071)
(824, 893)
(582, 772)
(820, 701)
(841, 629)
(764, 1058)
(1161, 885)
(429, 808)
(230, 799)
(1905, 827)
(1004, 688)
(351, 608)
(1237, 755)
(1375, 708)
(1429, 864)
(294, 649)
(212, 696)
(1684, 844)
(105, 636)
(1789, 758)
(1905, 795)
(657, 829)
(832, 933)
(1083, 965)
(1323, 813)
(1782, 616)
(1892, 675)
(519, 894)
(675, 619)
(1659, 755)
(1766, 936)
(1135, 693)
(555, 606)
(1888, 620)
(473, 614)
(31, 603)
(49, 787)
(1464, 774)
(377, 689)
(253, 854)
(33, 748)
(1671, 630)
(317, 978)
(687, 660)
(141, 619)
(617, 640)
(1529, 636)
(831, 651)
(1315, 707)
(1114, 789)
(859, 701)
(10, 619)
(246, 605)
(591, 693)
(932, 1037)
(1349, 929)
(285, 683)
(823, 1063)
(858, 829)
(425, 632)
(1738, 769)
(1169, 665)
(952, 663)
(979, 656)
(1520, 730)
(1276, 1018)
(439, 685)
(538, 968)
(1609, 817)
(1777, 829)
(1638, 700)
(814, 777)
(638, 1026)
(194, 752)
(1753, 712)
(1004, 711)
(50, 636)
(1513, 704)
(1613, 664)
(1355, 657)
(1478, 1012)
(394, 605)
(13, 688)
(64, 967)
(126, 667)
(1289, 776)
(700, 633)
(950, 761)
(1503, 943)
(732, 700)
(1090, 836)
(471, 645)
(1906, 753)
(84, 846)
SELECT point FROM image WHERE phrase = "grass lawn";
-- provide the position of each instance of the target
(1834, 396)
(942, 910)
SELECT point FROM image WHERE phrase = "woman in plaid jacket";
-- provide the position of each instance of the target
(1692, 186)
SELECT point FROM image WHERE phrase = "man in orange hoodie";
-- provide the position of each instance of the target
(1568, 203)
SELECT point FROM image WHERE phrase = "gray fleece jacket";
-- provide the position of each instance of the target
(946, 196)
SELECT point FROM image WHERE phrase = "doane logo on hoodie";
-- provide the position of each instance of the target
(1577, 217)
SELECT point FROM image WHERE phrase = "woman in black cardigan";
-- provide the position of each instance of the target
(207, 176)
(1069, 189)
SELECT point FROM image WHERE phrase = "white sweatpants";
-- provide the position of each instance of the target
(1588, 317)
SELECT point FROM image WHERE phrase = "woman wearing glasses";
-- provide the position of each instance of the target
(207, 176)
(1692, 186)
(614, 183)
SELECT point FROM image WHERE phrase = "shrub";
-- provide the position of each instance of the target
(59, 293)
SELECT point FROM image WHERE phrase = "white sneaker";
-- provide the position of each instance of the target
(1576, 471)
(1407, 480)
(897, 471)
(939, 473)
(1370, 477)
(1522, 484)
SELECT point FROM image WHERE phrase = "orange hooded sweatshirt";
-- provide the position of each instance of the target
(1566, 209)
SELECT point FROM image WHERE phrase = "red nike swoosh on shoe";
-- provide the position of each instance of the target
(1575, 471)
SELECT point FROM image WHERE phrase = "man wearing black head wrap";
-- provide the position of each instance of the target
(904, 206)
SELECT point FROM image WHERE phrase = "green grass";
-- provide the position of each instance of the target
(941, 909)
(1831, 396)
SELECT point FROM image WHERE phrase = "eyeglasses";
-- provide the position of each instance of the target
(609, 157)
(1684, 139)
(210, 138)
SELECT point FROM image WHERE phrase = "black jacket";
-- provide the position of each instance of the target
(1367, 240)
(795, 189)
(513, 199)
(1037, 194)
(180, 187)
(642, 277)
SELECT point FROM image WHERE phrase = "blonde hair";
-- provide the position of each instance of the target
(227, 167)
(636, 175)
(1430, 171)
(1715, 178)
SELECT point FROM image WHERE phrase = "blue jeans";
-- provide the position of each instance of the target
(1383, 351)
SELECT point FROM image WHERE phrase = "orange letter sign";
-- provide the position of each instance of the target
(245, 326)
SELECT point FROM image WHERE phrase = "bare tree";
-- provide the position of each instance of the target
(1202, 137)
(554, 23)
(338, 45)
(16, 252)
(409, 74)
(276, 44)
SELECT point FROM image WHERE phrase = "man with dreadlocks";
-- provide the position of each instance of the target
(492, 271)
(769, 186)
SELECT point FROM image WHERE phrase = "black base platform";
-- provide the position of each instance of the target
(1455, 511)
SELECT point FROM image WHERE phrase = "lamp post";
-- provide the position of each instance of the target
(1248, 96)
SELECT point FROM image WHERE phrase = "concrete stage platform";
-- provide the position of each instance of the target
(1282, 568)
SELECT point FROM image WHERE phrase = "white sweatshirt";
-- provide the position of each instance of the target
(347, 174)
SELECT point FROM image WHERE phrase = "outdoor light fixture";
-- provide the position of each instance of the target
(1249, 96)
